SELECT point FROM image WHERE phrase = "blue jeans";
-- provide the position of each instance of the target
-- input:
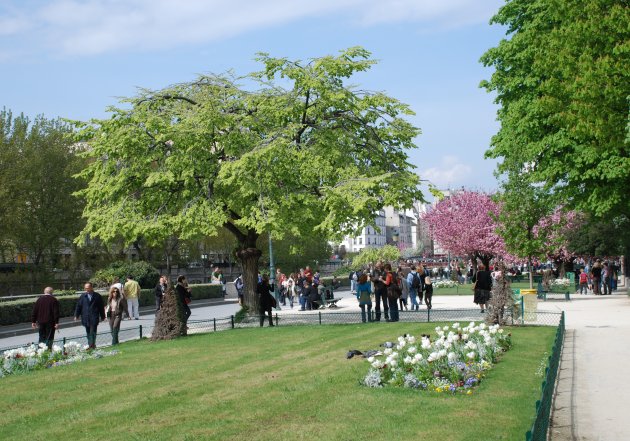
(414, 301)
(369, 312)
(302, 302)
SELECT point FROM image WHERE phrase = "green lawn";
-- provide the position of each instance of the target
(283, 383)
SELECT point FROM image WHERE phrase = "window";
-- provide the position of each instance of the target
(360, 241)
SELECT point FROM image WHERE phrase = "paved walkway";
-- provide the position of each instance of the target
(593, 388)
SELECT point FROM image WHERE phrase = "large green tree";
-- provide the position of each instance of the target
(37, 167)
(290, 149)
(562, 81)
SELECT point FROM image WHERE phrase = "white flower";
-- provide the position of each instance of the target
(417, 357)
(426, 344)
(442, 353)
(447, 345)
(470, 355)
(500, 331)
(393, 363)
(445, 328)
(452, 356)
(394, 355)
(464, 336)
(408, 360)
(411, 339)
(471, 345)
(370, 360)
(377, 364)
(387, 351)
(412, 349)
(433, 356)
(455, 325)
(482, 326)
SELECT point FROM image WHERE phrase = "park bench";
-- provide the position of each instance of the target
(332, 303)
(542, 294)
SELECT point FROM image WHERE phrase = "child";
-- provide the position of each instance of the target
(428, 291)
(583, 282)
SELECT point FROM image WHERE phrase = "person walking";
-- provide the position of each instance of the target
(184, 297)
(393, 292)
(596, 272)
(116, 307)
(159, 291)
(428, 292)
(415, 285)
(483, 284)
(266, 300)
(132, 293)
(91, 310)
(240, 286)
(45, 317)
(377, 277)
(583, 279)
(405, 290)
(291, 288)
(364, 296)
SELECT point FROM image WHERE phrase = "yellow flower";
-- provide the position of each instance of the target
(469, 392)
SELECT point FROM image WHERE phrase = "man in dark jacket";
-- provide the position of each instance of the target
(266, 300)
(91, 310)
(45, 316)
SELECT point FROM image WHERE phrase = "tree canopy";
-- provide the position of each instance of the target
(289, 149)
(464, 223)
(37, 165)
(563, 84)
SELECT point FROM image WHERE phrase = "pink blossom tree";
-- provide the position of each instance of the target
(465, 224)
(557, 226)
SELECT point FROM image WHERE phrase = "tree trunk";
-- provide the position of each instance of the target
(249, 257)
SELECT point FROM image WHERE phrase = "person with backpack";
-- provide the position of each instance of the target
(583, 279)
(393, 292)
(413, 280)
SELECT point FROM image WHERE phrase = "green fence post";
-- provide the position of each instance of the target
(232, 320)
(276, 319)
(214, 324)
(522, 311)
(320, 317)
(140, 329)
(428, 315)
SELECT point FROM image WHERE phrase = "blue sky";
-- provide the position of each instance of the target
(73, 58)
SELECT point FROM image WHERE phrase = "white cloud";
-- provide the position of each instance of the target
(451, 172)
(84, 27)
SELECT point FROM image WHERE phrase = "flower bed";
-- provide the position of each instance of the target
(560, 284)
(36, 357)
(444, 284)
(455, 361)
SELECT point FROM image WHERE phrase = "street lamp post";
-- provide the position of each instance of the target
(272, 274)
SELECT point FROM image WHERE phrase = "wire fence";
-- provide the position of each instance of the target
(540, 427)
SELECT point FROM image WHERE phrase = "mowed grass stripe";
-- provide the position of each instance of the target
(290, 383)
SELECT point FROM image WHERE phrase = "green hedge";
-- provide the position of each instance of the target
(19, 311)
(343, 280)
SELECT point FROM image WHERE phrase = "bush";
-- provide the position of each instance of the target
(19, 311)
(144, 273)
